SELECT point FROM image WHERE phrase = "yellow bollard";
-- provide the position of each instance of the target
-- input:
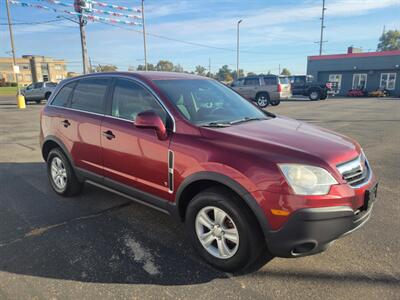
(21, 101)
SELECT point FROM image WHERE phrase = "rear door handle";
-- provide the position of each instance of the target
(108, 134)
(66, 123)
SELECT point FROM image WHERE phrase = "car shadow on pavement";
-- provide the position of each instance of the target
(95, 237)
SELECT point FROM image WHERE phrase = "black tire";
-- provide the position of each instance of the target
(251, 252)
(38, 101)
(72, 186)
(314, 95)
(47, 96)
(275, 102)
(262, 100)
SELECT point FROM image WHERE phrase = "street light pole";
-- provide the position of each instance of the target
(12, 48)
(144, 37)
(82, 23)
(237, 51)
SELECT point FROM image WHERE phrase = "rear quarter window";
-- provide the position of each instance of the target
(89, 95)
(61, 99)
(270, 80)
(283, 80)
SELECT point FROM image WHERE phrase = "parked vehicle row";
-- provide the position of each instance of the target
(247, 184)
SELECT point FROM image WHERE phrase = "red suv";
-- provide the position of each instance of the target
(247, 184)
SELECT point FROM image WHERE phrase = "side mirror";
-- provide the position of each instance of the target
(149, 119)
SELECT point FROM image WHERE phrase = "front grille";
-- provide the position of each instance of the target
(355, 171)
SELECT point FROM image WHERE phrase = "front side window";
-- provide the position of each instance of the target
(359, 81)
(61, 99)
(130, 99)
(388, 81)
(38, 85)
(89, 95)
(208, 102)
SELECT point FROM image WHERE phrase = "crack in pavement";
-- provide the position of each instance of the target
(41, 230)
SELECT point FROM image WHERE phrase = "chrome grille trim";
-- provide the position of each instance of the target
(355, 172)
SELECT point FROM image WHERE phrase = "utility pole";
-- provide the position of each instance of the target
(12, 48)
(237, 50)
(85, 63)
(144, 37)
(321, 40)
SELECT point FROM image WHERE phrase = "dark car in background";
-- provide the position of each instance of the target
(263, 89)
(305, 85)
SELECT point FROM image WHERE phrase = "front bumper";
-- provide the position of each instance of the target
(311, 230)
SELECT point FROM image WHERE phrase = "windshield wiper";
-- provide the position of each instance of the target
(216, 124)
(246, 119)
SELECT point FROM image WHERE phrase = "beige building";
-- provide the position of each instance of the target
(33, 68)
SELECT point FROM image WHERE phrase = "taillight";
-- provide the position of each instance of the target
(279, 87)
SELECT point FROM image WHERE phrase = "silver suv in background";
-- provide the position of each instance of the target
(264, 89)
(38, 91)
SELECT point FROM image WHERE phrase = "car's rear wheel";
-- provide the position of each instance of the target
(61, 174)
(275, 102)
(224, 232)
(314, 95)
(262, 100)
(38, 101)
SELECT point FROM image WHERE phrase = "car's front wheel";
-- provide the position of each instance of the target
(61, 174)
(223, 230)
(315, 95)
(262, 100)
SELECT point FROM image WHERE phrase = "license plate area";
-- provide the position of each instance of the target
(369, 197)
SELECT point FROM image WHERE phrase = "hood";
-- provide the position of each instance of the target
(292, 135)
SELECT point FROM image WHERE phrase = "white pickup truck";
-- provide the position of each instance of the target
(38, 91)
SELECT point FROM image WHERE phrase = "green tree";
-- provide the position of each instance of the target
(200, 70)
(251, 74)
(106, 68)
(150, 67)
(165, 65)
(178, 68)
(389, 40)
(285, 72)
(224, 73)
(241, 74)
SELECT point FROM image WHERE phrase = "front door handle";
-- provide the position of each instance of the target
(108, 134)
(66, 123)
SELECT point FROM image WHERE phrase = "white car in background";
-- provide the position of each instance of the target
(38, 91)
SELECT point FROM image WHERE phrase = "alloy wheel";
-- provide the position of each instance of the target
(58, 173)
(217, 232)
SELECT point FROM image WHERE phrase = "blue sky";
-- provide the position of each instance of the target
(272, 33)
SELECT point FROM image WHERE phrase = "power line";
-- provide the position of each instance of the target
(34, 23)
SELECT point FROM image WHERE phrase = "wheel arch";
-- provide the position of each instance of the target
(52, 142)
(262, 92)
(199, 181)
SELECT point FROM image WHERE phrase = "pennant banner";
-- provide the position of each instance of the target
(115, 14)
(102, 4)
(89, 17)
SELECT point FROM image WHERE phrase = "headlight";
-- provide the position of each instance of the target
(307, 180)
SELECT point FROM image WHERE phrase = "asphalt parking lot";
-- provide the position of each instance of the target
(100, 245)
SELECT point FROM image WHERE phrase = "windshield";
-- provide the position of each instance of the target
(207, 102)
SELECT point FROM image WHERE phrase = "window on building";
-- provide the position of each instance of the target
(359, 81)
(10, 77)
(24, 66)
(5, 66)
(28, 77)
(388, 81)
(336, 80)
(58, 67)
(89, 95)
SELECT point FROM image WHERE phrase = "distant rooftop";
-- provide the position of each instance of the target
(355, 54)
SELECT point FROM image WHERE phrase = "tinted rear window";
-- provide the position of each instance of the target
(89, 95)
(61, 99)
(251, 81)
(283, 80)
(271, 80)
